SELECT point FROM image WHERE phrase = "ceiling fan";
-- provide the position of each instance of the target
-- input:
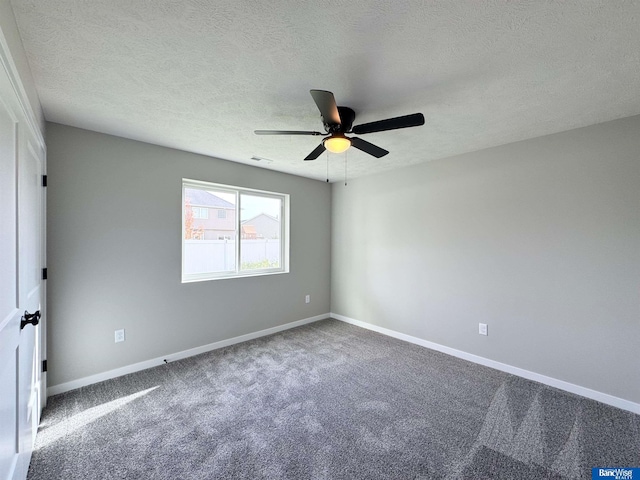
(338, 121)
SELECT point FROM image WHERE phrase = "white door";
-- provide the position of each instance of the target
(21, 284)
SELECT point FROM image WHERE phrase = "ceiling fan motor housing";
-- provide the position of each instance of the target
(347, 116)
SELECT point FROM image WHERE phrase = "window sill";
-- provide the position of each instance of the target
(205, 277)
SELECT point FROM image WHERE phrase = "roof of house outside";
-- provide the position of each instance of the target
(271, 217)
(202, 197)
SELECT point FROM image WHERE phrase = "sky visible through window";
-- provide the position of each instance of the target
(253, 205)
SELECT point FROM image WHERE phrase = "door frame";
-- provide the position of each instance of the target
(30, 131)
(37, 131)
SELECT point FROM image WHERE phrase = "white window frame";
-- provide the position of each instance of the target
(236, 273)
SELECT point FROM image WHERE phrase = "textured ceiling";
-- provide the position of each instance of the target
(201, 75)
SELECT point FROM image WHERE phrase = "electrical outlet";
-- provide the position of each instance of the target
(483, 329)
(120, 335)
(307, 299)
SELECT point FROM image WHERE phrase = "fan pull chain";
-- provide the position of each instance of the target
(345, 168)
(327, 155)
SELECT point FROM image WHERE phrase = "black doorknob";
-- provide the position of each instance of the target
(32, 318)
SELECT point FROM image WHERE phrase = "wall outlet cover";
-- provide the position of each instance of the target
(119, 336)
(483, 329)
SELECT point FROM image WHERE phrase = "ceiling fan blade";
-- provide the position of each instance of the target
(413, 120)
(327, 105)
(286, 132)
(367, 147)
(316, 153)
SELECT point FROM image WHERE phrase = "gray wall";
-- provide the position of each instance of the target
(114, 255)
(540, 239)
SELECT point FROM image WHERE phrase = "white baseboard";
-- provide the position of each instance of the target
(118, 372)
(536, 377)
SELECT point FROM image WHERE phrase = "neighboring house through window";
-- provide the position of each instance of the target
(262, 226)
(206, 206)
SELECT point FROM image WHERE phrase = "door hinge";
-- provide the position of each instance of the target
(44, 180)
(44, 273)
(44, 366)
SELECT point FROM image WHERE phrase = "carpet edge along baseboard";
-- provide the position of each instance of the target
(172, 357)
(602, 397)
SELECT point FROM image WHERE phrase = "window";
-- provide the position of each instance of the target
(199, 212)
(248, 236)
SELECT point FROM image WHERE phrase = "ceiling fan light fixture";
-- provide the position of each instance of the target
(337, 143)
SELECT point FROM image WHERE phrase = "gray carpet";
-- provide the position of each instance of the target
(328, 401)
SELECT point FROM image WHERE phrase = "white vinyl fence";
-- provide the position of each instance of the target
(202, 256)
